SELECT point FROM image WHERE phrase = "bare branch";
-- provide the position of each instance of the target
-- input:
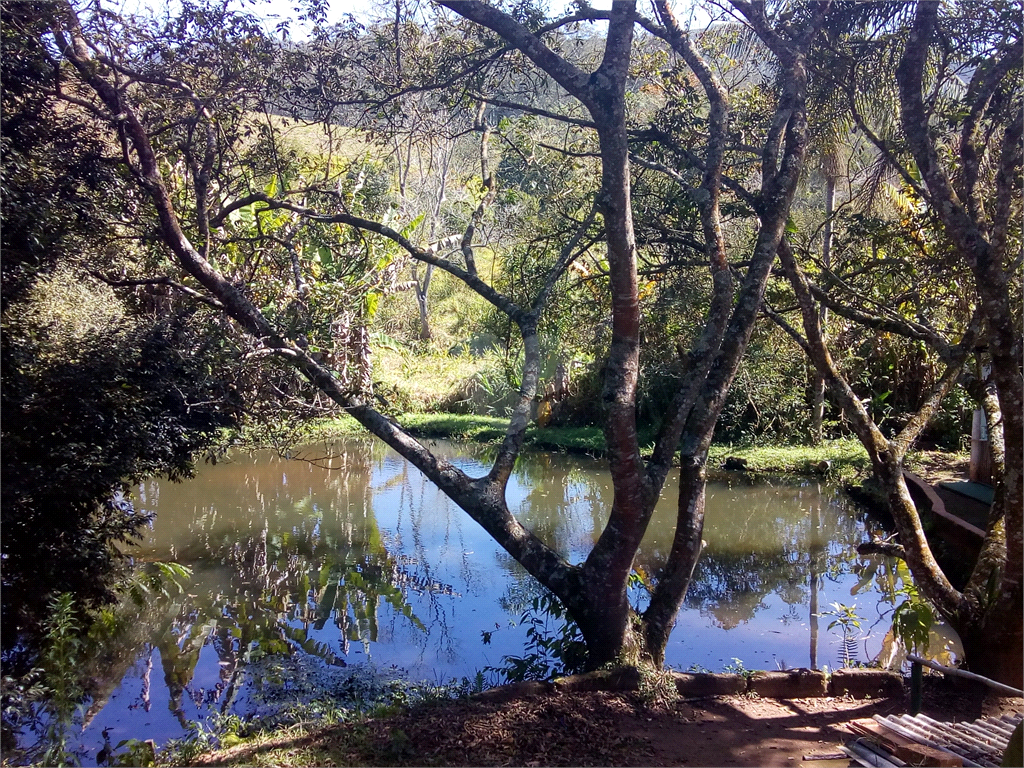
(190, 292)
(557, 116)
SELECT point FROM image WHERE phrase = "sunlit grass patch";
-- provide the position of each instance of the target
(419, 382)
(489, 429)
(585, 439)
(844, 458)
(456, 426)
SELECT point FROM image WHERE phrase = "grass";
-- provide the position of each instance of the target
(297, 745)
(491, 429)
(418, 381)
(456, 426)
(846, 458)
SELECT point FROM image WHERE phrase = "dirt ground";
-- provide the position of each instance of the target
(941, 467)
(612, 729)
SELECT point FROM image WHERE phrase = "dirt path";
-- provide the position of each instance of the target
(756, 732)
(602, 728)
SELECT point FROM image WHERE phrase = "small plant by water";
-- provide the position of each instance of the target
(737, 667)
(554, 644)
(61, 691)
(846, 618)
(912, 619)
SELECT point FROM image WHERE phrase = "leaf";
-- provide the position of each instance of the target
(372, 300)
(412, 226)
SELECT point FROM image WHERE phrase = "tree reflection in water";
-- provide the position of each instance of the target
(271, 570)
(763, 540)
(789, 537)
(292, 560)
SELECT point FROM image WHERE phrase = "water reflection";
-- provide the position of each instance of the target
(367, 560)
(785, 540)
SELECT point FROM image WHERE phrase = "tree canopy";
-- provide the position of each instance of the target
(611, 180)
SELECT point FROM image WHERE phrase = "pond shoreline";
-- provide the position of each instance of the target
(841, 460)
(602, 727)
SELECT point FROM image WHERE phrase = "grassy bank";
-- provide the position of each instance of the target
(842, 459)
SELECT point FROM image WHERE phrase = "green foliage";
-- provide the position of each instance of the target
(846, 618)
(763, 407)
(657, 686)
(136, 752)
(736, 667)
(185, 749)
(60, 677)
(912, 619)
(160, 578)
(838, 460)
(92, 403)
(912, 622)
(57, 180)
(554, 644)
(99, 390)
(292, 693)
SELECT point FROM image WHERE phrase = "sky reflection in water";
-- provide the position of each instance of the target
(367, 560)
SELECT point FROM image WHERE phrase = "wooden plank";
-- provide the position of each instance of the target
(909, 751)
(915, 731)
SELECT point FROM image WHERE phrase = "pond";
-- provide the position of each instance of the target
(349, 555)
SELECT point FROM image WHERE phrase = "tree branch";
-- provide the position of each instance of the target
(190, 292)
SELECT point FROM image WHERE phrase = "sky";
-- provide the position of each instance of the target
(276, 10)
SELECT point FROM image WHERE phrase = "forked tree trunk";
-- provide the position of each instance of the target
(979, 233)
(595, 593)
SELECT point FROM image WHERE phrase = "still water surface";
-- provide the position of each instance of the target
(368, 561)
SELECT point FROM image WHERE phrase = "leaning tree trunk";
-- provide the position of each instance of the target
(674, 579)
(781, 163)
(982, 240)
(983, 617)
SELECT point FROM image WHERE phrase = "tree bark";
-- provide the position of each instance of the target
(422, 288)
(783, 156)
(674, 579)
(996, 628)
(817, 382)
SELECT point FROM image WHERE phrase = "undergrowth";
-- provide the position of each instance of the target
(294, 695)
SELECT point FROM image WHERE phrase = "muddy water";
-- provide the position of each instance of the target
(350, 555)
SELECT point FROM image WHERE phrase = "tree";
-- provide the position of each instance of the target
(97, 392)
(958, 151)
(189, 88)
